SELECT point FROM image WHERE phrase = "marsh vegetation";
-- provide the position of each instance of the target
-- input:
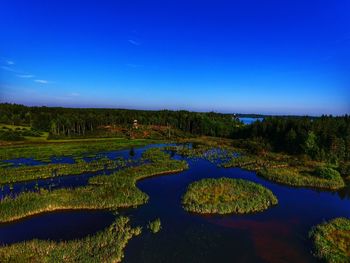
(25, 173)
(332, 240)
(105, 246)
(154, 226)
(225, 195)
(215, 154)
(299, 176)
(285, 169)
(277, 167)
(102, 192)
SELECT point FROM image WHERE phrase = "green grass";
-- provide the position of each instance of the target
(332, 240)
(102, 192)
(75, 147)
(154, 226)
(225, 196)
(105, 246)
(26, 173)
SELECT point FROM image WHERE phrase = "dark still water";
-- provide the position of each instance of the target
(279, 234)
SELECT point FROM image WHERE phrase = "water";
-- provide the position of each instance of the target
(57, 226)
(249, 120)
(279, 234)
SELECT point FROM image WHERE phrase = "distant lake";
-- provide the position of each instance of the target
(249, 120)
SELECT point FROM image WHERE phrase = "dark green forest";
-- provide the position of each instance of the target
(320, 138)
(69, 121)
(323, 138)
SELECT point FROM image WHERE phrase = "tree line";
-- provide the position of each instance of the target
(74, 121)
(322, 138)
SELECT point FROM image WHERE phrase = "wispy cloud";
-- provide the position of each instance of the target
(74, 94)
(134, 42)
(8, 68)
(41, 81)
(25, 76)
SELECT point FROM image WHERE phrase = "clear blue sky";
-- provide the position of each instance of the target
(272, 57)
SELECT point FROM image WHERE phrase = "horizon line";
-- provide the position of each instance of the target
(165, 109)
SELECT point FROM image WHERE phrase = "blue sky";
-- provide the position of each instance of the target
(271, 57)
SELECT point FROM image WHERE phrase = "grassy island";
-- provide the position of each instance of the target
(105, 246)
(225, 195)
(332, 240)
(102, 192)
